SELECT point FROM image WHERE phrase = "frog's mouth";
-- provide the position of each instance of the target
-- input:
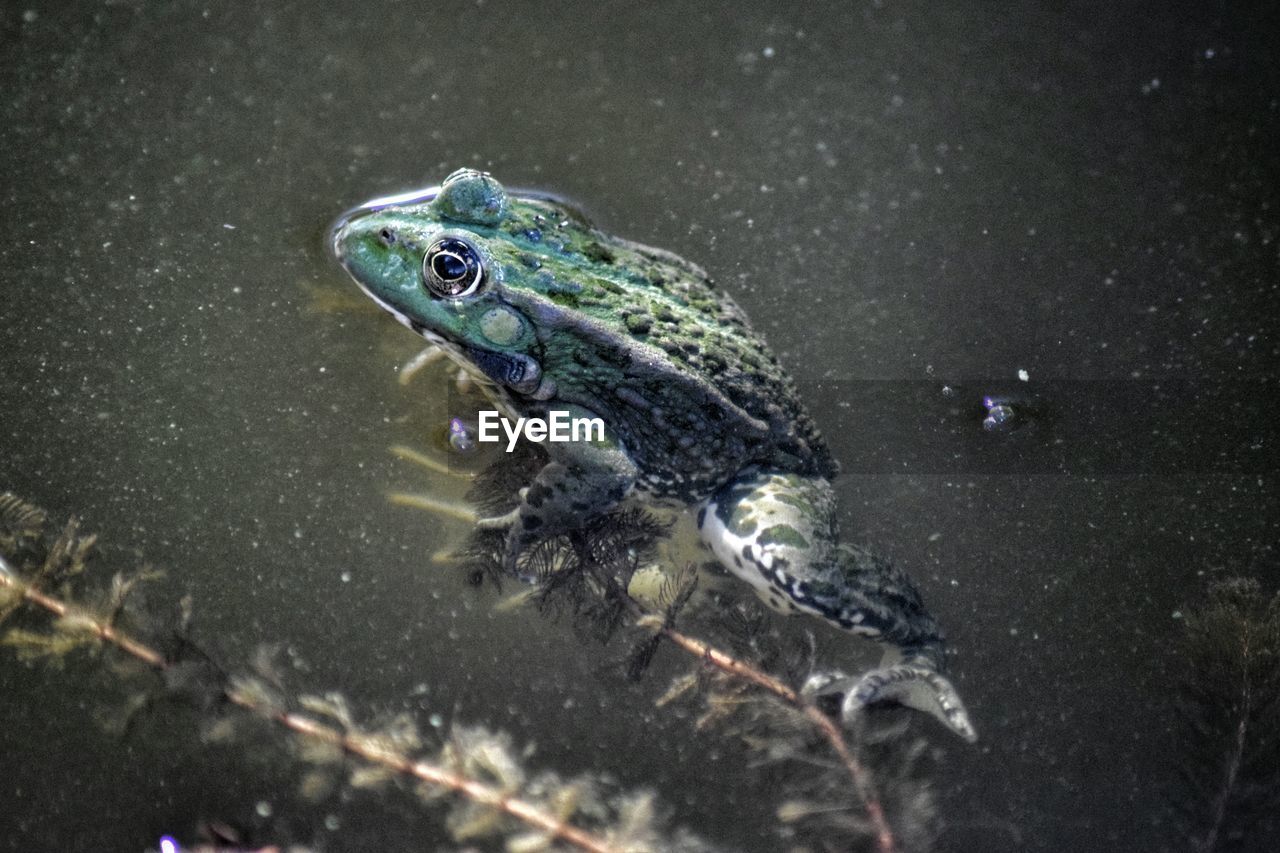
(496, 370)
(401, 317)
(345, 224)
(456, 354)
(528, 380)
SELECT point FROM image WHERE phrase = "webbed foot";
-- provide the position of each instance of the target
(906, 684)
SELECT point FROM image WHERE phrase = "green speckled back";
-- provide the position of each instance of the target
(636, 335)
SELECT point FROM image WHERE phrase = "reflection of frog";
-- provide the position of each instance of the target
(558, 316)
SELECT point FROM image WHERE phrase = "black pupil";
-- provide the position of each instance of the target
(449, 266)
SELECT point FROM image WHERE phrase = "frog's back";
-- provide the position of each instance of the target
(703, 330)
(672, 362)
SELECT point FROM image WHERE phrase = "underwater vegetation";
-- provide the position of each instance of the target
(476, 774)
(1229, 703)
(862, 789)
(865, 789)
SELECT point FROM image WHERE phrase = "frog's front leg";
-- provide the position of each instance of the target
(778, 531)
(583, 480)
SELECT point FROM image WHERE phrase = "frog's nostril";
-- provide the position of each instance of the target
(387, 236)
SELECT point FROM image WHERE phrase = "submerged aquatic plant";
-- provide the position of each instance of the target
(1230, 718)
(478, 773)
(751, 691)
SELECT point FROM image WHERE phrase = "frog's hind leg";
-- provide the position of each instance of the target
(911, 673)
(778, 532)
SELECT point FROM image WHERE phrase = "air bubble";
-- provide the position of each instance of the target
(460, 437)
(1000, 416)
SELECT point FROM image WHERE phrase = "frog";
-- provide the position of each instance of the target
(526, 295)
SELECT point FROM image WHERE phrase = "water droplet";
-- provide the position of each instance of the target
(1000, 417)
(460, 437)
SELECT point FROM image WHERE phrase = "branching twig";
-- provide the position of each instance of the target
(859, 775)
(1230, 707)
(522, 810)
(734, 667)
(1219, 810)
(424, 771)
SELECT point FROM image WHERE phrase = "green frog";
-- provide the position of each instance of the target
(554, 315)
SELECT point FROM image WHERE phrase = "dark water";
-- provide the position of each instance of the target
(902, 195)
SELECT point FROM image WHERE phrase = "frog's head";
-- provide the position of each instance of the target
(445, 263)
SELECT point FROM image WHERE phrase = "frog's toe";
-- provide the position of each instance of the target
(825, 683)
(905, 684)
(826, 689)
(916, 687)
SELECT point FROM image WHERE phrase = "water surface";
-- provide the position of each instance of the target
(903, 196)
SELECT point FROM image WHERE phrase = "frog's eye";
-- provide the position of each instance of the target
(452, 268)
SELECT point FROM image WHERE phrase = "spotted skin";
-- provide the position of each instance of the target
(778, 532)
(553, 314)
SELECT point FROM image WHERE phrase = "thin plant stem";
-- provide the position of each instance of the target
(522, 810)
(1210, 841)
(62, 610)
(430, 773)
(861, 778)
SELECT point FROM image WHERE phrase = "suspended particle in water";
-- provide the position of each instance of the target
(460, 437)
(1001, 416)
